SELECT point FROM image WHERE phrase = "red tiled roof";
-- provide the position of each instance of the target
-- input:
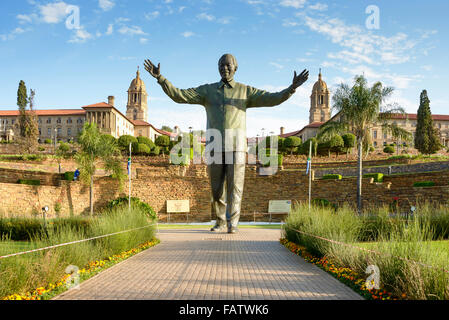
(294, 133)
(99, 105)
(414, 116)
(140, 123)
(58, 112)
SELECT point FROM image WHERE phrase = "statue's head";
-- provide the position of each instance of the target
(227, 66)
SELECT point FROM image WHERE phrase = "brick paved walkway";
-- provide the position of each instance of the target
(197, 264)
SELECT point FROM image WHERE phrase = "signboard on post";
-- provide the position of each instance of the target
(178, 206)
(279, 206)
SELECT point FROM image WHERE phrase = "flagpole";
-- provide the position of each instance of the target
(129, 175)
(310, 172)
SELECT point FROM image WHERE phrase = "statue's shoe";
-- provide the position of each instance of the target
(233, 230)
(218, 228)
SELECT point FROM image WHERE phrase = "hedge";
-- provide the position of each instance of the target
(25, 229)
(389, 149)
(69, 175)
(323, 203)
(332, 177)
(136, 202)
(29, 182)
(424, 184)
(146, 141)
(378, 177)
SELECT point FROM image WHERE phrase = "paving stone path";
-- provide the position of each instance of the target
(195, 264)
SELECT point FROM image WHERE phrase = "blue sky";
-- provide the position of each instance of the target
(72, 67)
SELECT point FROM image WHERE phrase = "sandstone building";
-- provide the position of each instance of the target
(66, 124)
(320, 113)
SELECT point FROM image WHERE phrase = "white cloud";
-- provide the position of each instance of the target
(110, 29)
(364, 45)
(289, 23)
(80, 36)
(106, 4)
(427, 67)
(131, 31)
(181, 9)
(54, 12)
(205, 16)
(152, 15)
(318, 6)
(225, 20)
(277, 65)
(26, 18)
(297, 4)
(187, 34)
(13, 33)
(143, 40)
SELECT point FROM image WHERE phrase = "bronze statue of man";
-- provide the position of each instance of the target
(226, 102)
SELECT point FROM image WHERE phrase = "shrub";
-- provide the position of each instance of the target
(156, 151)
(162, 141)
(48, 141)
(29, 182)
(125, 140)
(389, 149)
(111, 138)
(349, 141)
(146, 141)
(424, 184)
(290, 143)
(141, 149)
(332, 177)
(135, 202)
(378, 177)
(41, 149)
(69, 175)
(323, 203)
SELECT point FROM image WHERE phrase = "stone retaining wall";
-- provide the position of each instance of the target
(157, 184)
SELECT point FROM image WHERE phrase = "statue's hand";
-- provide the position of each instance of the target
(152, 69)
(299, 80)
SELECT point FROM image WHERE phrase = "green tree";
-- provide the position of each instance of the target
(359, 107)
(146, 141)
(426, 136)
(349, 142)
(63, 152)
(399, 134)
(125, 140)
(167, 128)
(290, 143)
(96, 147)
(28, 132)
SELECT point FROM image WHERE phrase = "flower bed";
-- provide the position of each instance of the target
(352, 279)
(90, 270)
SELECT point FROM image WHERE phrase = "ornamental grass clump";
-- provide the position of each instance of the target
(408, 251)
(23, 273)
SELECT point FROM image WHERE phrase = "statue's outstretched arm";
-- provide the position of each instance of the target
(152, 69)
(190, 96)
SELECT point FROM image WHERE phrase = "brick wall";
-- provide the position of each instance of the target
(157, 184)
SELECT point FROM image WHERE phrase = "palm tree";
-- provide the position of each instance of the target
(359, 107)
(97, 147)
(398, 134)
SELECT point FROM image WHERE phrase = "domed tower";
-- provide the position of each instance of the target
(319, 102)
(137, 107)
